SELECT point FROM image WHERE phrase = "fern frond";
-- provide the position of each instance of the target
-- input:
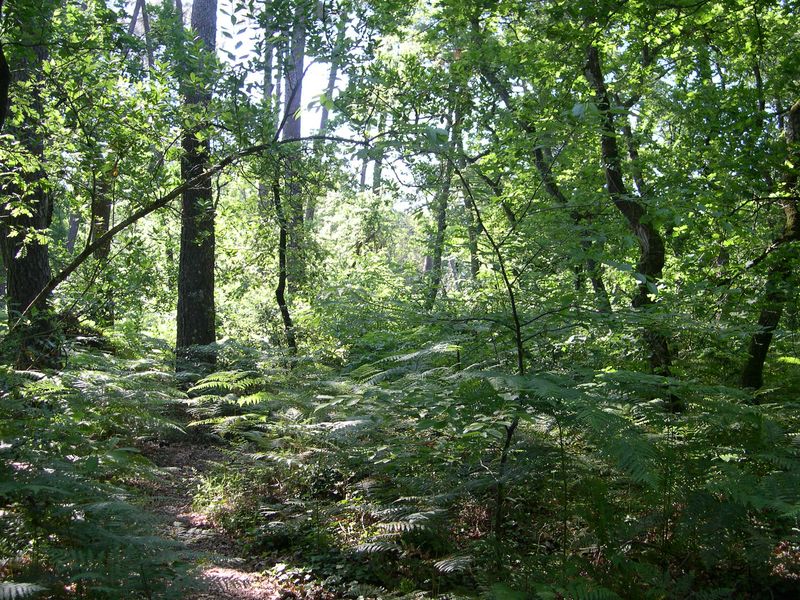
(10, 590)
(377, 547)
(454, 564)
(402, 526)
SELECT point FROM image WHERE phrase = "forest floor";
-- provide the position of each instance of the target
(224, 574)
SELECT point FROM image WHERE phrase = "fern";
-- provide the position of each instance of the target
(377, 547)
(454, 564)
(18, 591)
(229, 382)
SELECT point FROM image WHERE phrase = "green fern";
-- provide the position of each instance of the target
(10, 590)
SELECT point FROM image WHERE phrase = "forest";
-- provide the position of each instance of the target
(317, 299)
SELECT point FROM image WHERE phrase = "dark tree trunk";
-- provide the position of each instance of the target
(544, 164)
(27, 260)
(5, 79)
(472, 228)
(472, 241)
(336, 60)
(280, 291)
(773, 302)
(440, 203)
(196, 309)
(148, 42)
(651, 245)
(103, 311)
(377, 168)
(362, 177)
(777, 286)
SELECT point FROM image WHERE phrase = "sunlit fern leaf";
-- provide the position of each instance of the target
(387, 374)
(435, 349)
(290, 462)
(377, 371)
(402, 526)
(453, 564)
(227, 382)
(391, 512)
(10, 590)
(259, 398)
(376, 547)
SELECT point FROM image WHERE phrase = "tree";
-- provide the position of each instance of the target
(196, 317)
(651, 245)
(5, 78)
(27, 208)
(783, 263)
(292, 207)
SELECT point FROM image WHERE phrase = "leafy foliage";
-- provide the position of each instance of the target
(69, 521)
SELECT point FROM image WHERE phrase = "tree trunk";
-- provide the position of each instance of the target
(544, 164)
(26, 259)
(377, 167)
(440, 204)
(333, 74)
(777, 286)
(73, 226)
(293, 209)
(103, 311)
(651, 245)
(196, 310)
(5, 78)
(269, 68)
(280, 291)
(336, 61)
(148, 42)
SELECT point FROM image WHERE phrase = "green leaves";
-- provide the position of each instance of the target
(10, 590)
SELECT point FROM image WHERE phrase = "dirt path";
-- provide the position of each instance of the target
(225, 574)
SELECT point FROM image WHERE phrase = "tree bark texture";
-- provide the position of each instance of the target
(196, 315)
(5, 78)
(440, 206)
(336, 60)
(26, 259)
(651, 244)
(293, 209)
(776, 291)
(103, 311)
(280, 290)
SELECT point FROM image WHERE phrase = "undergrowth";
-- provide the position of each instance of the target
(383, 481)
(386, 479)
(68, 445)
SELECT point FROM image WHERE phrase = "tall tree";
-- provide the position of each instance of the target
(651, 244)
(440, 205)
(337, 54)
(196, 310)
(27, 210)
(102, 204)
(544, 163)
(5, 77)
(293, 210)
(779, 274)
